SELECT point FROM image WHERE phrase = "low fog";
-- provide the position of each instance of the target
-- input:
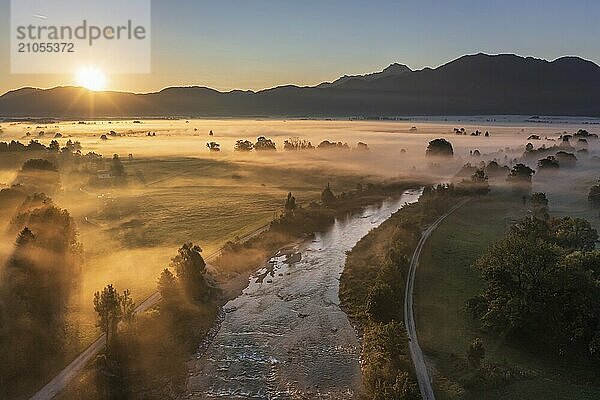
(175, 190)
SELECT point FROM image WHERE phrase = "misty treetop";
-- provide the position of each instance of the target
(37, 283)
(190, 267)
(15, 146)
(113, 308)
(327, 145)
(520, 173)
(213, 146)
(295, 143)
(327, 196)
(263, 143)
(243, 145)
(594, 196)
(439, 148)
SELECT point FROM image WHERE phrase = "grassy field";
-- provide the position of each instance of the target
(446, 279)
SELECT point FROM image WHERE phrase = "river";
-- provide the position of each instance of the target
(285, 336)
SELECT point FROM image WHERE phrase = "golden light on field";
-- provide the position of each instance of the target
(91, 78)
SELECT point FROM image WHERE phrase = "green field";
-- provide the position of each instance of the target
(446, 279)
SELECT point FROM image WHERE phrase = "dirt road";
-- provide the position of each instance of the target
(64, 377)
(416, 353)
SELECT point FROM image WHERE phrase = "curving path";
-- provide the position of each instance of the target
(64, 377)
(416, 353)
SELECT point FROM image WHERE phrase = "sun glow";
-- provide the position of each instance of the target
(91, 78)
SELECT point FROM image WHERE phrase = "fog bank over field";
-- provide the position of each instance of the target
(176, 190)
(178, 138)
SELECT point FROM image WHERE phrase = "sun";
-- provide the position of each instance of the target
(91, 78)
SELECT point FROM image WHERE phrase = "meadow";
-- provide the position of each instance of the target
(447, 279)
(178, 191)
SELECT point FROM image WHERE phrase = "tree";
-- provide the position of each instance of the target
(116, 167)
(582, 133)
(262, 143)
(190, 269)
(327, 197)
(385, 364)
(539, 199)
(440, 148)
(73, 146)
(480, 182)
(112, 308)
(574, 233)
(594, 196)
(566, 159)
(549, 162)
(517, 271)
(475, 353)
(54, 146)
(167, 285)
(290, 202)
(520, 173)
(529, 147)
(34, 145)
(382, 303)
(327, 145)
(243, 145)
(295, 143)
(213, 146)
(542, 284)
(539, 205)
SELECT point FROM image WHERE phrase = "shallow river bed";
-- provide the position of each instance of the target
(286, 337)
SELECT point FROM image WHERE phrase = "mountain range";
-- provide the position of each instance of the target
(477, 84)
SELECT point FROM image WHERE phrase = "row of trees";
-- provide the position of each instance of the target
(386, 362)
(33, 145)
(37, 283)
(291, 144)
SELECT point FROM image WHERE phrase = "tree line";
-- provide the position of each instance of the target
(37, 283)
(292, 144)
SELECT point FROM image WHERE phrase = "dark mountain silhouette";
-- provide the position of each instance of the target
(394, 69)
(470, 85)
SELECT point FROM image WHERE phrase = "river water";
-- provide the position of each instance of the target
(285, 336)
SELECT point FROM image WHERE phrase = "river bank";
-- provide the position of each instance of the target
(372, 290)
(285, 335)
(157, 366)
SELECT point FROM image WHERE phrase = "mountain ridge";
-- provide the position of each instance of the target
(470, 84)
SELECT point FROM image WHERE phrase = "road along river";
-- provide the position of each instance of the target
(285, 336)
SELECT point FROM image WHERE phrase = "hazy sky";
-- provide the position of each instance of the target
(263, 43)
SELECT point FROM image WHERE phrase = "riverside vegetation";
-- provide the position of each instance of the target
(543, 298)
(147, 354)
(372, 290)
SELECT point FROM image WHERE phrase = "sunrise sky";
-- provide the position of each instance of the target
(260, 43)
